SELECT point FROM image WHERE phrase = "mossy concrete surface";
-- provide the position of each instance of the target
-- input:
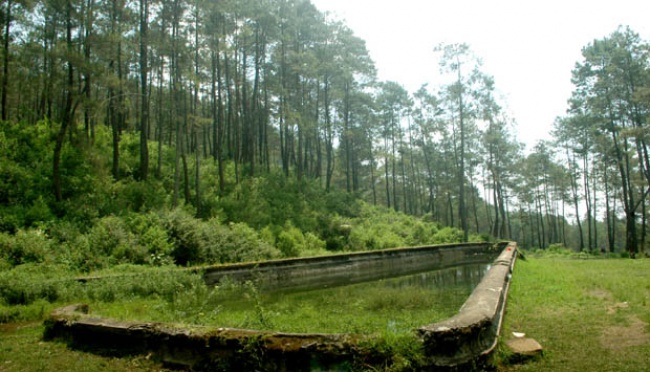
(457, 341)
(201, 347)
(350, 268)
(473, 332)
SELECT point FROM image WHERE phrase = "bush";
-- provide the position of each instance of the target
(138, 196)
(238, 242)
(152, 237)
(207, 242)
(187, 237)
(39, 212)
(10, 220)
(27, 246)
(31, 282)
(137, 239)
(314, 246)
(558, 248)
(137, 283)
(79, 256)
(290, 241)
(62, 231)
(110, 236)
(448, 235)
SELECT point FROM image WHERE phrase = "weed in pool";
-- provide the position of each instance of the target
(260, 315)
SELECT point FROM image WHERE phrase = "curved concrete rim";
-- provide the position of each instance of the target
(474, 331)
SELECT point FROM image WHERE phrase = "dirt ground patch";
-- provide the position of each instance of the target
(600, 294)
(617, 338)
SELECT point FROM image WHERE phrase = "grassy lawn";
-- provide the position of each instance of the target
(22, 349)
(588, 315)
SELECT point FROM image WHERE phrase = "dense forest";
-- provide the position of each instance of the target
(160, 131)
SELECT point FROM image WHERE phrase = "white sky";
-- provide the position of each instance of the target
(530, 47)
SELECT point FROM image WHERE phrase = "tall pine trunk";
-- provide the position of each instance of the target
(144, 96)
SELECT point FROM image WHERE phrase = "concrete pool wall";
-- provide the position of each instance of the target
(349, 268)
(459, 341)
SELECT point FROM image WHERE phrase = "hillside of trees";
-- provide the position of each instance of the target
(189, 132)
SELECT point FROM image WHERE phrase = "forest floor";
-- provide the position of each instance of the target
(588, 314)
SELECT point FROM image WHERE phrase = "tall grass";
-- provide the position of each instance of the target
(368, 308)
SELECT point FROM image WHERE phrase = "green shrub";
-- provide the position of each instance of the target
(61, 231)
(137, 239)
(139, 196)
(10, 219)
(207, 242)
(187, 237)
(559, 248)
(337, 234)
(422, 233)
(108, 234)
(238, 242)
(194, 302)
(448, 235)
(27, 246)
(149, 231)
(39, 212)
(27, 283)
(290, 241)
(133, 282)
(371, 237)
(79, 256)
(314, 246)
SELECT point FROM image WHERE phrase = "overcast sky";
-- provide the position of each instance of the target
(528, 46)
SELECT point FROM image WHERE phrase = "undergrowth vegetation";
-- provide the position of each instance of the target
(389, 306)
(29, 292)
(103, 222)
(108, 225)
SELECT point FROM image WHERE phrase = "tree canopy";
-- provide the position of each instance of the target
(221, 107)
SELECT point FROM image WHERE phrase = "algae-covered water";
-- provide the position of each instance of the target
(394, 305)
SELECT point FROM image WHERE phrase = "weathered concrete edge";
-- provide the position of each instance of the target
(474, 331)
(208, 345)
(348, 268)
(198, 346)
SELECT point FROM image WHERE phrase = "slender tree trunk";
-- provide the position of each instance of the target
(462, 211)
(609, 217)
(495, 196)
(372, 172)
(159, 117)
(87, 38)
(67, 113)
(574, 192)
(329, 139)
(386, 176)
(393, 161)
(144, 95)
(197, 182)
(5, 59)
(629, 205)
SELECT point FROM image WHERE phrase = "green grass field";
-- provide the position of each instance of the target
(588, 314)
